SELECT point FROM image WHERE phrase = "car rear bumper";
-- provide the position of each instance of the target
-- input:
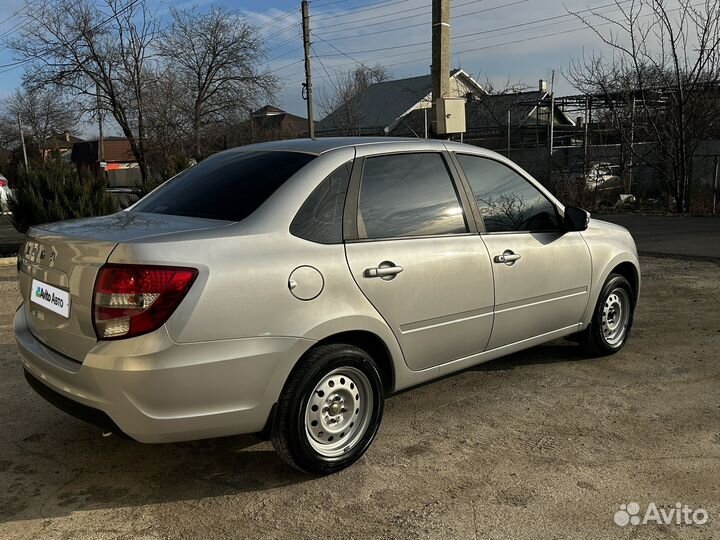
(155, 390)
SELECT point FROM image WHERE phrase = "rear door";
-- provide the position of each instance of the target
(417, 257)
(542, 273)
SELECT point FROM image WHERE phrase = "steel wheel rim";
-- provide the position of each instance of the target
(338, 411)
(615, 316)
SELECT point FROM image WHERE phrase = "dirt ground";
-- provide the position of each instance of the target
(542, 444)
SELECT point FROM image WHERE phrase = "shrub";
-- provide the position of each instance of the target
(54, 191)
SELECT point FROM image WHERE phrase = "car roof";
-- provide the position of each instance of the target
(325, 144)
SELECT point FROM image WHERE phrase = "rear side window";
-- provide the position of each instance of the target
(408, 195)
(228, 186)
(507, 201)
(320, 218)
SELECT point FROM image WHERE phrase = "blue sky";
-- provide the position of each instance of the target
(507, 38)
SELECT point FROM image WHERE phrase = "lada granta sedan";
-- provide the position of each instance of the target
(286, 288)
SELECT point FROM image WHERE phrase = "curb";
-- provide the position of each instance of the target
(8, 261)
(678, 256)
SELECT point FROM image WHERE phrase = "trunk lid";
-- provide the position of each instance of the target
(59, 264)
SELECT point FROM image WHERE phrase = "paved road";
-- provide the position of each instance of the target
(672, 235)
(544, 444)
(9, 237)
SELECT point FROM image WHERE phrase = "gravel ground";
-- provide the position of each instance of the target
(542, 444)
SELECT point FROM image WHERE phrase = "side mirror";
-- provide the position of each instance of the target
(576, 219)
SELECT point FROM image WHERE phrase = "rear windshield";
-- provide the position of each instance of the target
(227, 186)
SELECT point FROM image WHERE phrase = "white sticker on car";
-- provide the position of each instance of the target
(50, 298)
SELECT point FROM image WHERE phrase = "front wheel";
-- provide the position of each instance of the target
(612, 318)
(330, 409)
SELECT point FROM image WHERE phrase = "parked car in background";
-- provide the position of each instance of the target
(603, 176)
(5, 194)
(286, 288)
(125, 196)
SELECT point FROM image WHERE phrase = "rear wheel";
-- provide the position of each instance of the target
(612, 318)
(330, 409)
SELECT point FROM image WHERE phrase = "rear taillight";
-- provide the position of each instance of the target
(131, 300)
(3, 183)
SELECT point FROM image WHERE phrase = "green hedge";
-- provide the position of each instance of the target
(54, 191)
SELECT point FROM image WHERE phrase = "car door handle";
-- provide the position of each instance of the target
(508, 257)
(385, 270)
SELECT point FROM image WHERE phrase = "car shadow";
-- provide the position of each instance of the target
(54, 464)
(550, 353)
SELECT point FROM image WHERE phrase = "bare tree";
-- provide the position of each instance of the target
(168, 125)
(45, 112)
(9, 134)
(216, 55)
(666, 65)
(99, 53)
(509, 86)
(342, 104)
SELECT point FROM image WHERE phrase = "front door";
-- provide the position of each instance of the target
(417, 260)
(542, 274)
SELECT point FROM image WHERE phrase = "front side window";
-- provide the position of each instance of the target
(227, 186)
(408, 195)
(507, 201)
(320, 218)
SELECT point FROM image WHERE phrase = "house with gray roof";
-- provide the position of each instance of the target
(489, 114)
(383, 106)
(486, 119)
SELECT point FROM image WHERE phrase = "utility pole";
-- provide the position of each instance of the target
(22, 140)
(551, 129)
(308, 75)
(508, 134)
(585, 140)
(632, 145)
(101, 140)
(440, 69)
(715, 186)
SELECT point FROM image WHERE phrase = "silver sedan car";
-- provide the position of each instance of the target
(286, 288)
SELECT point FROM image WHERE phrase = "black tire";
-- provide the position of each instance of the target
(291, 438)
(593, 340)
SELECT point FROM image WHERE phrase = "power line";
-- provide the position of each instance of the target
(289, 40)
(491, 46)
(374, 17)
(533, 23)
(395, 19)
(279, 17)
(348, 12)
(473, 34)
(329, 3)
(285, 29)
(285, 53)
(290, 64)
(342, 53)
(17, 64)
(15, 28)
(6, 19)
(322, 65)
(12, 65)
(515, 2)
(497, 29)
(21, 23)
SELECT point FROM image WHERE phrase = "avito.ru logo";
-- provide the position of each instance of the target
(680, 514)
(49, 297)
